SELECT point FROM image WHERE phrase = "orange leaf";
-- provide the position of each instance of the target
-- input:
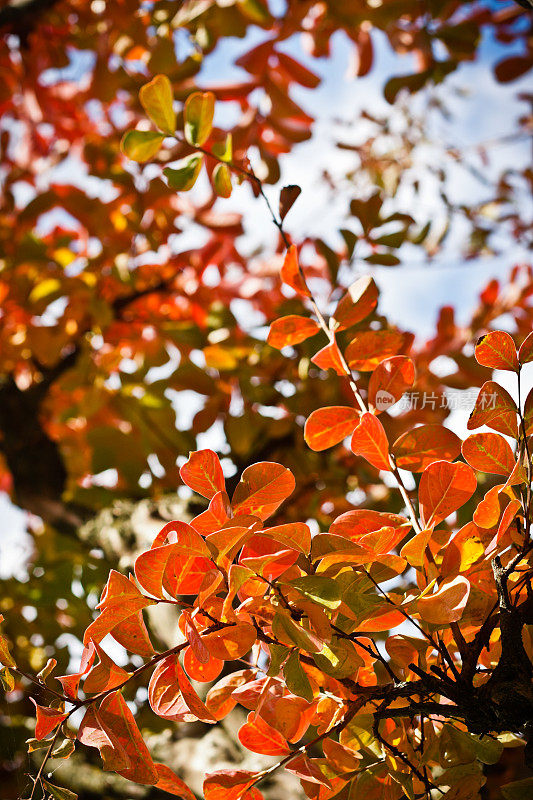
(104, 675)
(494, 407)
(291, 330)
(220, 700)
(169, 782)
(263, 555)
(259, 737)
(199, 670)
(488, 511)
(489, 452)
(330, 358)
(417, 449)
(358, 302)
(359, 522)
(227, 784)
(446, 605)
(216, 515)
(47, 719)
(389, 381)
(203, 473)
(193, 702)
(497, 351)
(444, 488)
(231, 642)
(326, 427)
(307, 770)
(369, 440)
(369, 348)
(413, 550)
(525, 354)
(117, 717)
(293, 534)
(113, 616)
(93, 733)
(291, 274)
(262, 489)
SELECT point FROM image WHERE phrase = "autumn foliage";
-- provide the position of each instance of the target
(382, 648)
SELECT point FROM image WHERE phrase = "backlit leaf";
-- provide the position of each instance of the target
(494, 407)
(417, 449)
(296, 678)
(489, 452)
(47, 719)
(369, 348)
(259, 737)
(497, 351)
(359, 301)
(157, 100)
(291, 275)
(328, 426)
(525, 354)
(446, 605)
(222, 180)
(198, 117)
(183, 177)
(444, 488)
(141, 145)
(203, 473)
(369, 440)
(389, 381)
(291, 330)
(262, 489)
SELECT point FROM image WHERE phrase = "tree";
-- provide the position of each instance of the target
(317, 629)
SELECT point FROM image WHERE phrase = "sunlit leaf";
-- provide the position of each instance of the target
(141, 145)
(198, 116)
(328, 426)
(156, 99)
(444, 488)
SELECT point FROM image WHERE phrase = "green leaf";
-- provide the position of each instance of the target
(184, 177)
(339, 659)
(222, 180)
(486, 750)
(198, 115)
(296, 679)
(278, 654)
(141, 145)
(6, 679)
(64, 750)
(518, 790)
(58, 792)
(283, 625)
(319, 589)
(224, 150)
(157, 100)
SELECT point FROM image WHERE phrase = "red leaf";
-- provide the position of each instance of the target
(259, 737)
(444, 488)
(358, 302)
(203, 473)
(330, 358)
(389, 381)
(417, 449)
(494, 407)
(47, 719)
(291, 330)
(497, 351)
(306, 770)
(216, 515)
(291, 275)
(370, 441)
(369, 348)
(489, 452)
(262, 489)
(328, 426)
